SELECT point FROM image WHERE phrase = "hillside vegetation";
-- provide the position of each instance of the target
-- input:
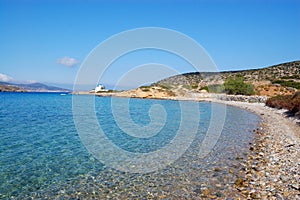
(238, 86)
(290, 102)
(281, 79)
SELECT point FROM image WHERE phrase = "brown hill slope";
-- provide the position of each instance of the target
(9, 88)
(278, 79)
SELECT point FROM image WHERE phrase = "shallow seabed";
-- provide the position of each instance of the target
(41, 155)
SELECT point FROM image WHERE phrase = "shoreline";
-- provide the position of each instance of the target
(272, 168)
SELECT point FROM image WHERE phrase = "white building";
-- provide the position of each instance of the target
(100, 88)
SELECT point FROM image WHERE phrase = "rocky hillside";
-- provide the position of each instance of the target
(9, 88)
(278, 79)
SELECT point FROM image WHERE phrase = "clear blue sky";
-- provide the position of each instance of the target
(35, 36)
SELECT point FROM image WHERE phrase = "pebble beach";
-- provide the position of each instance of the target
(272, 168)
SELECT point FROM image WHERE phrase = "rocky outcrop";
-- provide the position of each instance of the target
(146, 92)
(243, 98)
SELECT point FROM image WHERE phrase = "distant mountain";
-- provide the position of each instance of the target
(31, 87)
(41, 87)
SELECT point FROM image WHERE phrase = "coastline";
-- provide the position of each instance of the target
(272, 168)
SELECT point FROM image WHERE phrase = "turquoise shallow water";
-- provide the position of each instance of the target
(41, 154)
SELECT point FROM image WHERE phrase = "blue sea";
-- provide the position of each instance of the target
(45, 151)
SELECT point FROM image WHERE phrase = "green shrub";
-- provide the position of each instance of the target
(165, 86)
(296, 76)
(204, 88)
(187, 87)
(238, 86)
(145, 89)
(145, 86)
(216, 88)
(194, 86)
(290, 83)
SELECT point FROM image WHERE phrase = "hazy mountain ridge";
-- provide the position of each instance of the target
(31, 87)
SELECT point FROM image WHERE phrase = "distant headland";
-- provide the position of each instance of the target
(30, 87)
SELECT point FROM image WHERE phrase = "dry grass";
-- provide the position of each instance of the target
(289, 102)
